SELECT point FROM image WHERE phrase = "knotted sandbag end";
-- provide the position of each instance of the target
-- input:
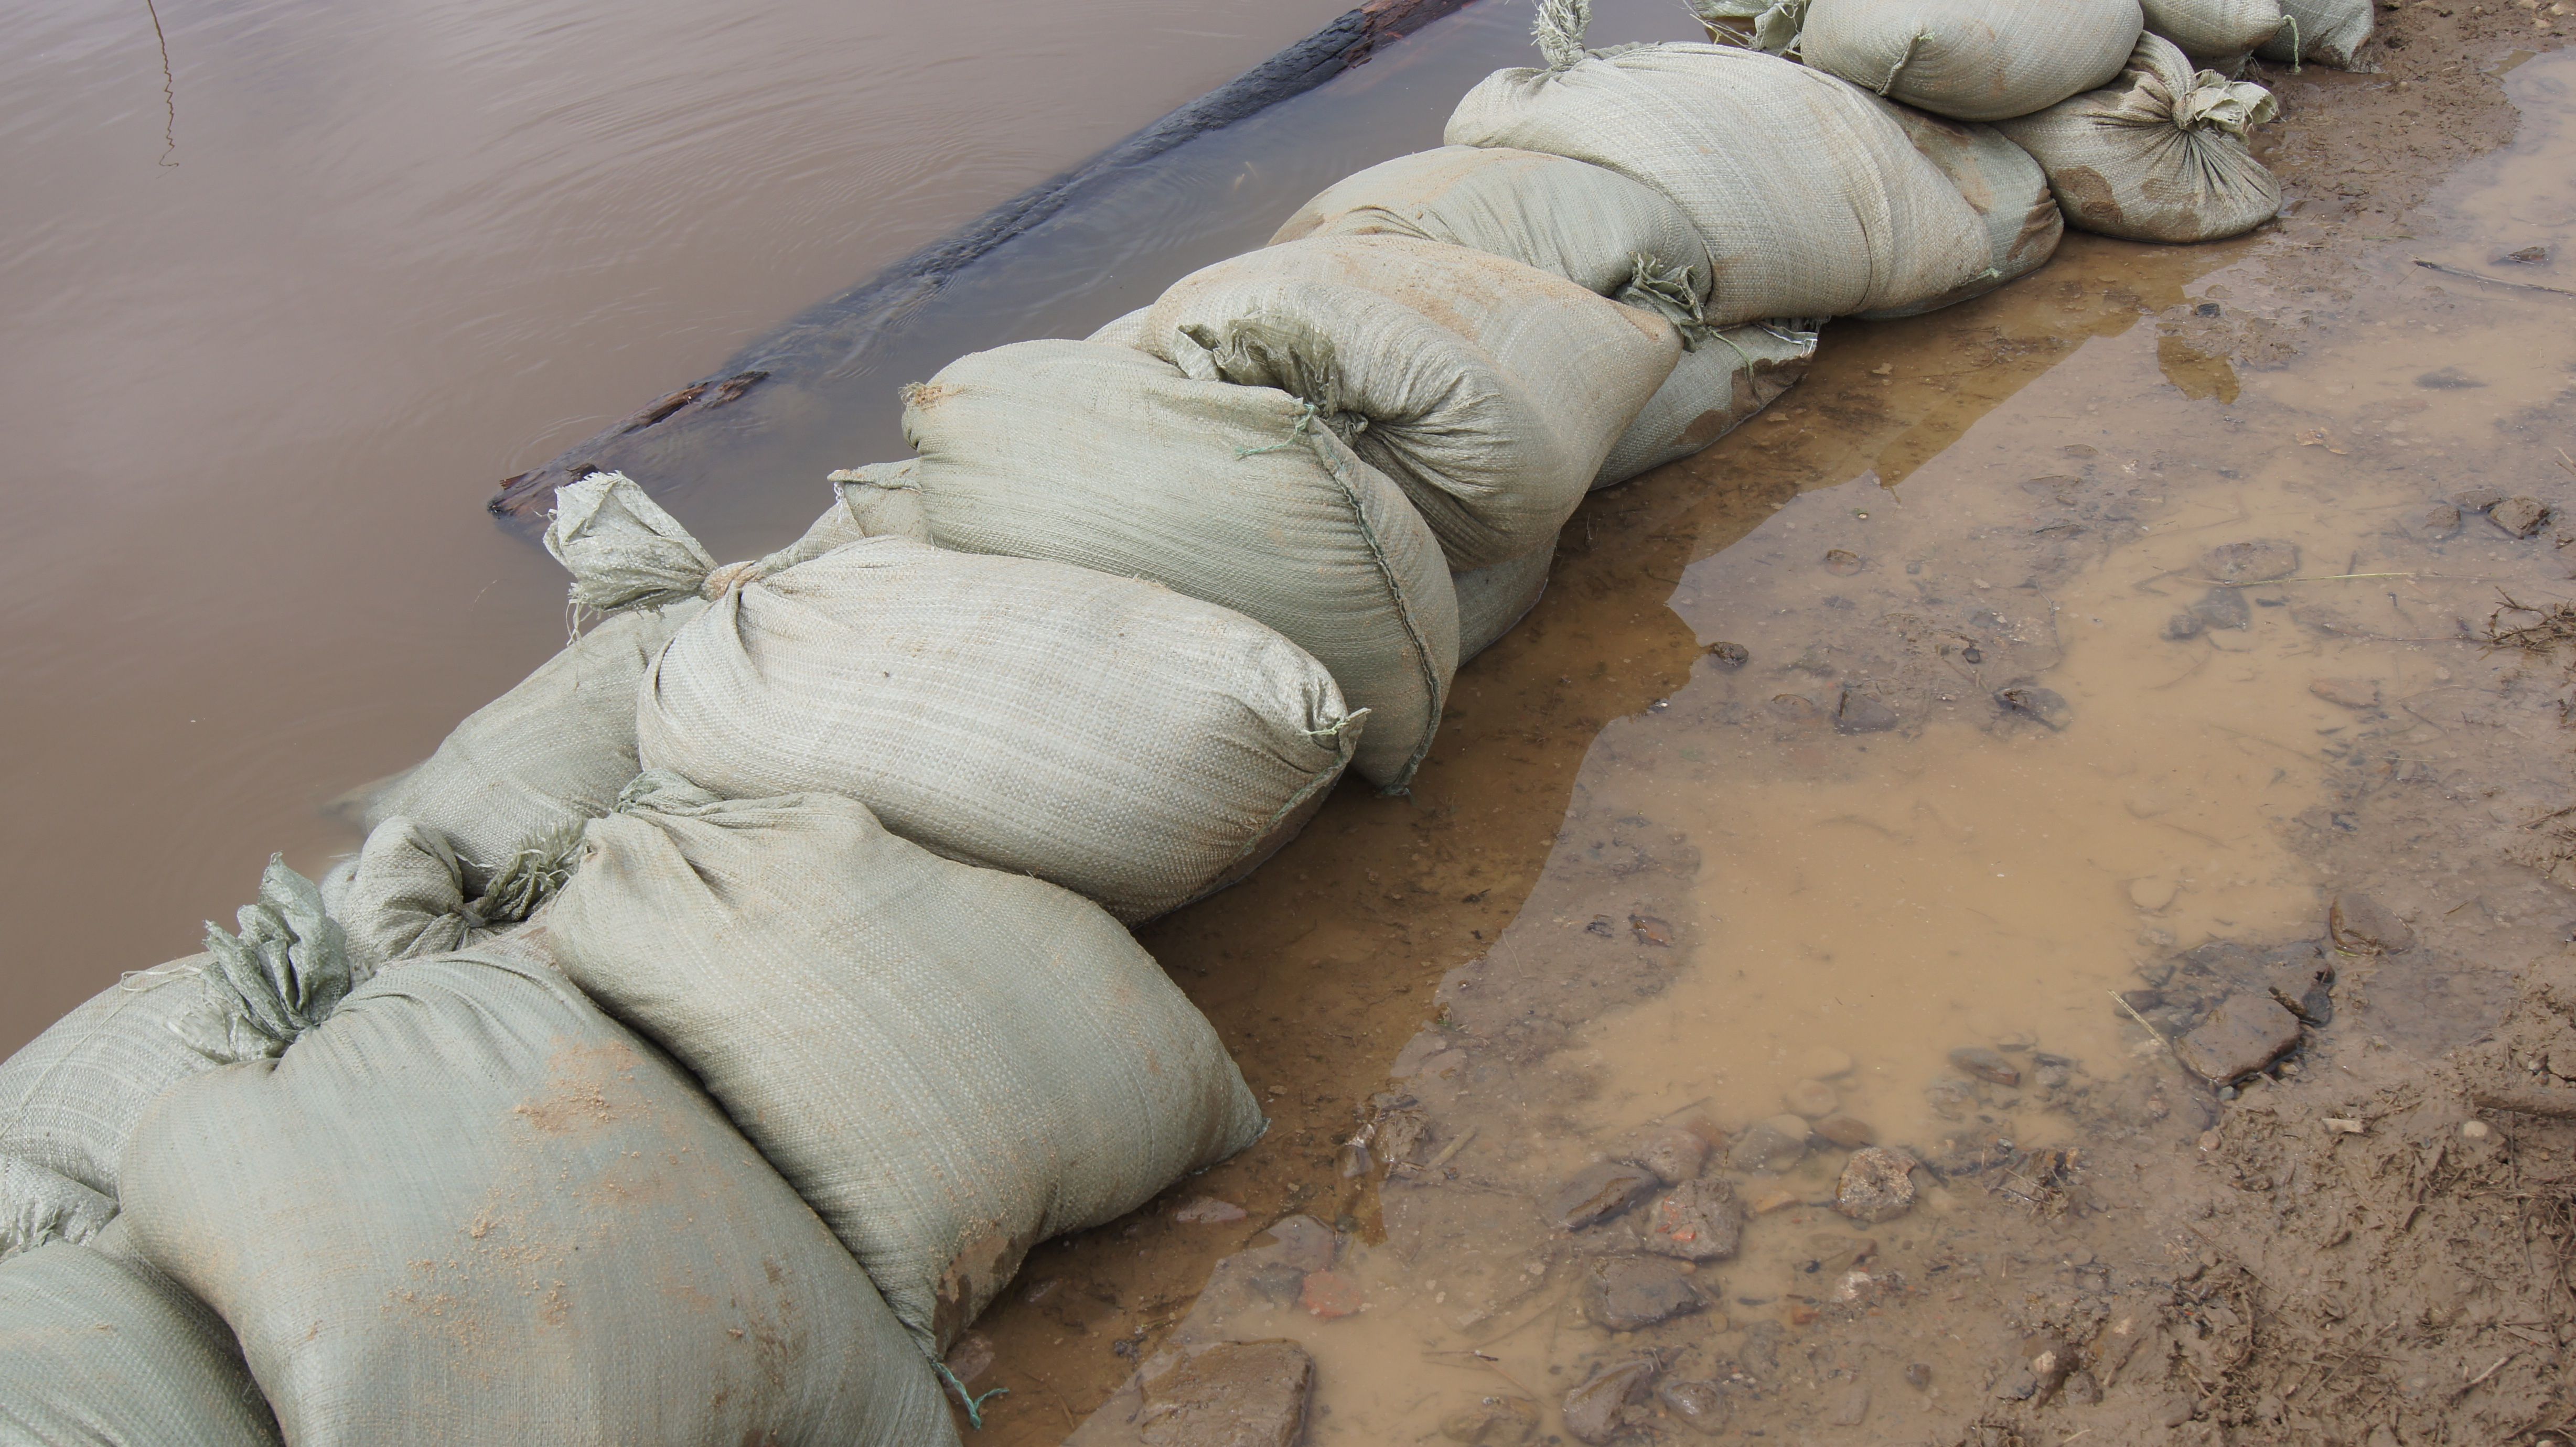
(284, 973)
(622, 549)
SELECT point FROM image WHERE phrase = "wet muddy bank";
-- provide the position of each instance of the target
(1643, 884)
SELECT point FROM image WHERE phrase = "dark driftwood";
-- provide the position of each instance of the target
(830, 333)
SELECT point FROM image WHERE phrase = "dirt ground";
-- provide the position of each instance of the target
(2366, 1245)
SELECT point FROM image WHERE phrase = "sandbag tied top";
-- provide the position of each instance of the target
(97, 1347)
(2001, 182)
(69, 1099)
(409, 895)
(1562, 216)
(1114, 460)
(625, 552)
(1136, 746)
(2320, 32)
(2160, 156)
(469, 1207)
(1810, 200)
(1488, 390)
(951, 1064)
(1972, 60)
(2221, 32)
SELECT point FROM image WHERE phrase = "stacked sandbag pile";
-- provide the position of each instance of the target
(707, 1031)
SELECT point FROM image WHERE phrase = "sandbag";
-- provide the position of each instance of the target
(1488, 390)
(98, 1347)
(950, 1064)
(2220, 32)
(1136, 746)
(69, 1099)
(408, 894)
(1491, 600)
(1127, 330)
(469, 1207)
(1972, 60)
(2320, 32)
(2001, 183)
(1114, 460)
(2159, 156)
(1729, 374)
(1810, 200)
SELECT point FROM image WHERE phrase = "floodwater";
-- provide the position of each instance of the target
(1797, 883)
(286, 286)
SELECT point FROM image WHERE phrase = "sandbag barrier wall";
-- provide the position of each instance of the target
(771, 936)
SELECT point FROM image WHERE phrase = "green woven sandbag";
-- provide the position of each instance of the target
(2001, 183)
(2222, 33)
(1972, 60)
(471, 1208)
(2160, 155)
(951, 1064)
(1491, 600)
(1110, 459)
(2320, 32)
(97, 1347)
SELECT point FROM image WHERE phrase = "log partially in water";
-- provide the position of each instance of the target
(836, 331)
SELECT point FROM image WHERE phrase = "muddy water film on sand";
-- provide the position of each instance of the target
(2021, 895)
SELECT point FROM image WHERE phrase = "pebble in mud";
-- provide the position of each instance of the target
(1949, 1099)
(2520, 517)
(1810, 1099)
(1630, 1293)
(2152, 895)
(2032, 701)
(2435, 521)
(1843, 562)
(2224, 608)
(1849, 1132)
(1877, 1185)
(1729, 656)
(2347, 692)
(2256, 561)
(1824, 1062)
(1244, 1394)
(2360, 925)
(2183, 626)
(2245, 1033)
(1769, 1146)
(1987, 1065)
(1850, 1408)
(1596, 1410)
(1492, 1422)
(1675, 1155)
(1598, 1193)
(1700, 1405)
(1700, 1221)
(1858, 713)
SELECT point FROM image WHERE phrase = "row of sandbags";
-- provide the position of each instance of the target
(707, 1030)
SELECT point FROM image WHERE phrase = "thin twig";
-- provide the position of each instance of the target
(2268, 582)
(2122, 1001)
(2492, 280)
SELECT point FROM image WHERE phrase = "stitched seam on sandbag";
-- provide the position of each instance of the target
(1403, 609)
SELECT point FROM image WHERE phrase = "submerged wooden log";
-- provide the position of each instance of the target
(836, 331)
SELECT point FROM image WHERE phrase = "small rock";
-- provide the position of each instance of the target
(1850, 1408)
(1208, 1211)
(1598, 1193)
(2519, 516)
(1230, 1394)
(2082, 1389)
(2032, 701)
(1987, 1065)
(1330, 1294)
(1774, 1200)
(1596, 1410)
(2341, 1125)
(2448, 379)
(1831, 1254)
(1700, 1221)
(971, 1357)
(1492, 1422)
(1729, 656)
(2435, 521)
(1949, 1099)
(2245, 1033)
(2477, 499)
(1849, 1132)
(2016, 1385)
(2476, 1130)
(1859, 713)
(1823, 1062)
(2528, 255)
(1769, 1146)
(2258, 561)
(2151, 895)
(1918, 1375)
(1877, 1184)
(2360, 925)
(1675, 1155)
(1797, 708)
(2224, 608)
(1648, 929)
(2348, 692)
(2178, 1410)
(1628, 1293)
(2182, 627)
(1810, 1099)
(1699, 1404)
(1843, 562)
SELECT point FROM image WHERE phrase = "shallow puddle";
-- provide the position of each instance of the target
(2091, 659)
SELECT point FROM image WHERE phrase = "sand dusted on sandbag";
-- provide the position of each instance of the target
(2001, 183)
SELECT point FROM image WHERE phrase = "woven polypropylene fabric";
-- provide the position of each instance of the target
(1110, 459)
(1809, 200)
(38, 1204)
(1732, 375)
(471, 1208)
(1488, 390)
(1560, 215)
(2005, 187)
(99, 1349)
(1127, 330)
(950, 1064)
(70, 1097)
(1136, 746)
(2158, 156)
(1972, 60)
(552, 751)
(406, 897)
(1491, 600)
(2320, 32)
(2221, 31)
